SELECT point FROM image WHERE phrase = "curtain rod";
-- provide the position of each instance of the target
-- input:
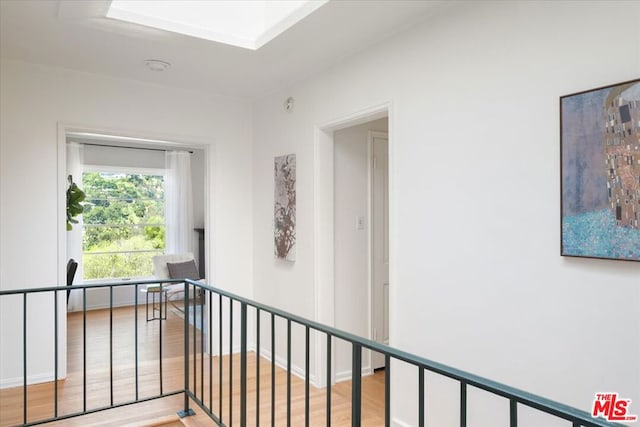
(130, 148)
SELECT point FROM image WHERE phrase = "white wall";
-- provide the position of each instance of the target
(34, 99)
(476, 280)
(351, 245)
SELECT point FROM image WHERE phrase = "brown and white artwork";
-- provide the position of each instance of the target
(285, 207)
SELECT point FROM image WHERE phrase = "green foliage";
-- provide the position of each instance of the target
(75, 197)
(99, 265)
(155, 234)
(125, 212)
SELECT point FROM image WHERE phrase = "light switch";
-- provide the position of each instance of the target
(359, 223)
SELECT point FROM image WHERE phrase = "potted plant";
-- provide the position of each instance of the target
(75, 197)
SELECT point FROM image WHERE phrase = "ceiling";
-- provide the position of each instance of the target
(76, 35)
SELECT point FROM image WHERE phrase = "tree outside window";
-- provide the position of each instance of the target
(124, 224)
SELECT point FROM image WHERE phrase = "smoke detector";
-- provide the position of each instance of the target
(156, 65)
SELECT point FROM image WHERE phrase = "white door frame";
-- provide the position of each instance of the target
(323, 180)
(131, 136)
(370, 206)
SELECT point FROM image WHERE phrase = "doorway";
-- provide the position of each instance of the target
(361, 239)
(101, 138)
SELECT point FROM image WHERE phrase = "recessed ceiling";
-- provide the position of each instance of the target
(77, 35)
(249, 23)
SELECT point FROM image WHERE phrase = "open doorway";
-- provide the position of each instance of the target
(127, 210)
(361, 236)
(135, 149)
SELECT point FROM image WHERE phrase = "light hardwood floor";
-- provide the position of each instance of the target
(99, 393)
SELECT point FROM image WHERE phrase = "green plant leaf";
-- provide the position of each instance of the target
(74, 207)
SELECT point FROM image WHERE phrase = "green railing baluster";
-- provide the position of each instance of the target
(273, 370)
(55, 354)
(230, 361)
(220, 366)
(288, 373)
(24, 357)
(210, 295)
(186, 348)
(387, 390)
(463, 404)
(257, 366)
(306, 377)
(243, 364)
(420, 396)
(84, 350)
(111, 348)
(329, 381)
(356, 385)
(135, 339)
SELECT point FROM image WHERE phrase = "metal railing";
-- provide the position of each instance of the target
(27, 327)
(215, 322)
(514, 396)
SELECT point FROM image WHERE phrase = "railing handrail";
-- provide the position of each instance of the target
(577, 416)
(54, 290)
(532, 400)
(90, 285)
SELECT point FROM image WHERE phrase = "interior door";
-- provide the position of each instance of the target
(380, 243)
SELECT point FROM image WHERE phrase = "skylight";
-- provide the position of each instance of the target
(249, 24)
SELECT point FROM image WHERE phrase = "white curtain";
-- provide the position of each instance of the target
(178, 204)
(74, 236)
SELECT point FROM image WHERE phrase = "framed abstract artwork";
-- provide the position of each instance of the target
(600, 172)
(284, 213)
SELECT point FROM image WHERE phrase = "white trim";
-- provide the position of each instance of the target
(62, 247)
(370, 267)
(123, 169)
(323, 283)
(209, 253)
(124, 302)
(370, 167)
(31, 379)
(133, 137)
(117, 279)
(281, 362)
(346, 375)
(395, 422)
(365, 115)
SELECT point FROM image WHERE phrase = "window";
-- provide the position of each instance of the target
(123, 223)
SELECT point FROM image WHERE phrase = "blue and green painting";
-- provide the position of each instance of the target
(600, 138)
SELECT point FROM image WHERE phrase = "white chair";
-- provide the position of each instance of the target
(160, 269)
(169, 291)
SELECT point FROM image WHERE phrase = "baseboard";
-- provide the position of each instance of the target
(98, 299)
(281, 362)
(346, 375)
(225, 352)
(397, 423)
(31, 379)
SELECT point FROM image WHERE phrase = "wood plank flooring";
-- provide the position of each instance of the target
(100, 394)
